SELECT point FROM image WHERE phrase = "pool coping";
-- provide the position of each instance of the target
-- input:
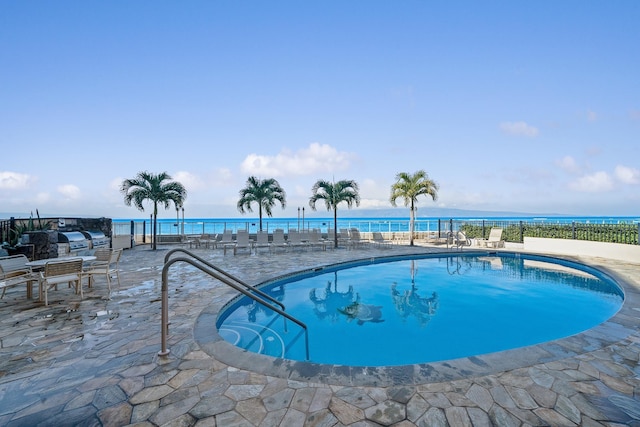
(615, 329)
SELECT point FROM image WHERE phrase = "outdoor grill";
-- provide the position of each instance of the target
(75, 239)
(97, 239)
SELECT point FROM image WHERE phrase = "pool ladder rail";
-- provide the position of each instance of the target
(224, 277)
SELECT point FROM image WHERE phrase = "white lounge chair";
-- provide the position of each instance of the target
(343, 236)
(315, 240)
(331, 234)
(379, 240)
(494, 240)
(242, 241)
(458, 240)
(262, 240)
(294, 240)
(354, 238)
(193, 241)
(208, 240)
(278, 240)
(226, 241)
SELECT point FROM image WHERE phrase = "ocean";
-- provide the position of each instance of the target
(193, 226)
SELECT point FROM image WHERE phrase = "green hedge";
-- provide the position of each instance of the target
(515, 232)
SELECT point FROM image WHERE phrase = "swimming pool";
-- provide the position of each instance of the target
(400, 310)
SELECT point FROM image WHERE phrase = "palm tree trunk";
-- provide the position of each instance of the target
(411, 223)
(155, 225)
(260, 214)
(335, 227)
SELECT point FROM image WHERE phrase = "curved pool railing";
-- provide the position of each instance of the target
(223, 277)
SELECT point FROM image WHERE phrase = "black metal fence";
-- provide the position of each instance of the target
(6, 225)
(516, 231)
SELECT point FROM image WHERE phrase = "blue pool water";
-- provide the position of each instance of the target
(431, 308)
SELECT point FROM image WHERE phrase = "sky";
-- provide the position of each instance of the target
(509, 106)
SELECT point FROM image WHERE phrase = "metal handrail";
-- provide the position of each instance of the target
(229, 275)
(213, 273)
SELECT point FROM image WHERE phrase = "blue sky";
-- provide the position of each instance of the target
(529, 107)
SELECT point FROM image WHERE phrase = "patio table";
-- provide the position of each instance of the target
(40, 263)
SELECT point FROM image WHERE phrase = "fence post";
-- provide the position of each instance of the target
(521, 231)
(12, 228)
(573, 228)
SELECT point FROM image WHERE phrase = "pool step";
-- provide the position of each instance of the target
(254, 337)
(263, 339)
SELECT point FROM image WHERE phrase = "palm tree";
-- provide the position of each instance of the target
(159, 189)
(409, 187)
(264, 192)
(334, 193)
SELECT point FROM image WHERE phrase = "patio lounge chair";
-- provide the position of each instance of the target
(193, 241)
(331, 234)
(494, 240)
(226, 241)
(343, 236)
(458, 240)
(209, 240)
(379, 240)
(315, 240)
(262, 240)
(278, 239)
(294, 240)
(242, 242)
(354, 238)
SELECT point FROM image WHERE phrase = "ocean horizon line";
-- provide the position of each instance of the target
(392, 218)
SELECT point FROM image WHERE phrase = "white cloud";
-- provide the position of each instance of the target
(594, 183)
(70, 191)
(42, 198)
(222, 177)
(374, 203)
(519, 129)
(188, 180)
(317, 158)
(15, 181)
(568, 164)
(627, 175)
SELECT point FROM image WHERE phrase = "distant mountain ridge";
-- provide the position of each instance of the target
(437, 213)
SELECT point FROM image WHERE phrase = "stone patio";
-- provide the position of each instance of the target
(95, 362)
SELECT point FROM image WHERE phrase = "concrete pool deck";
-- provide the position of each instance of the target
(95, 363)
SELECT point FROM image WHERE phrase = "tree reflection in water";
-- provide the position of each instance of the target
(328, 305)
(411, 303)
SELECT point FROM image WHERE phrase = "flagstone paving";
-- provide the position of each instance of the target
(95, 362)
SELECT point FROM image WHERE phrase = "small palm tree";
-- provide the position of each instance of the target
(265, 193)
(334, 193)
(409, 187)
(159, 189)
